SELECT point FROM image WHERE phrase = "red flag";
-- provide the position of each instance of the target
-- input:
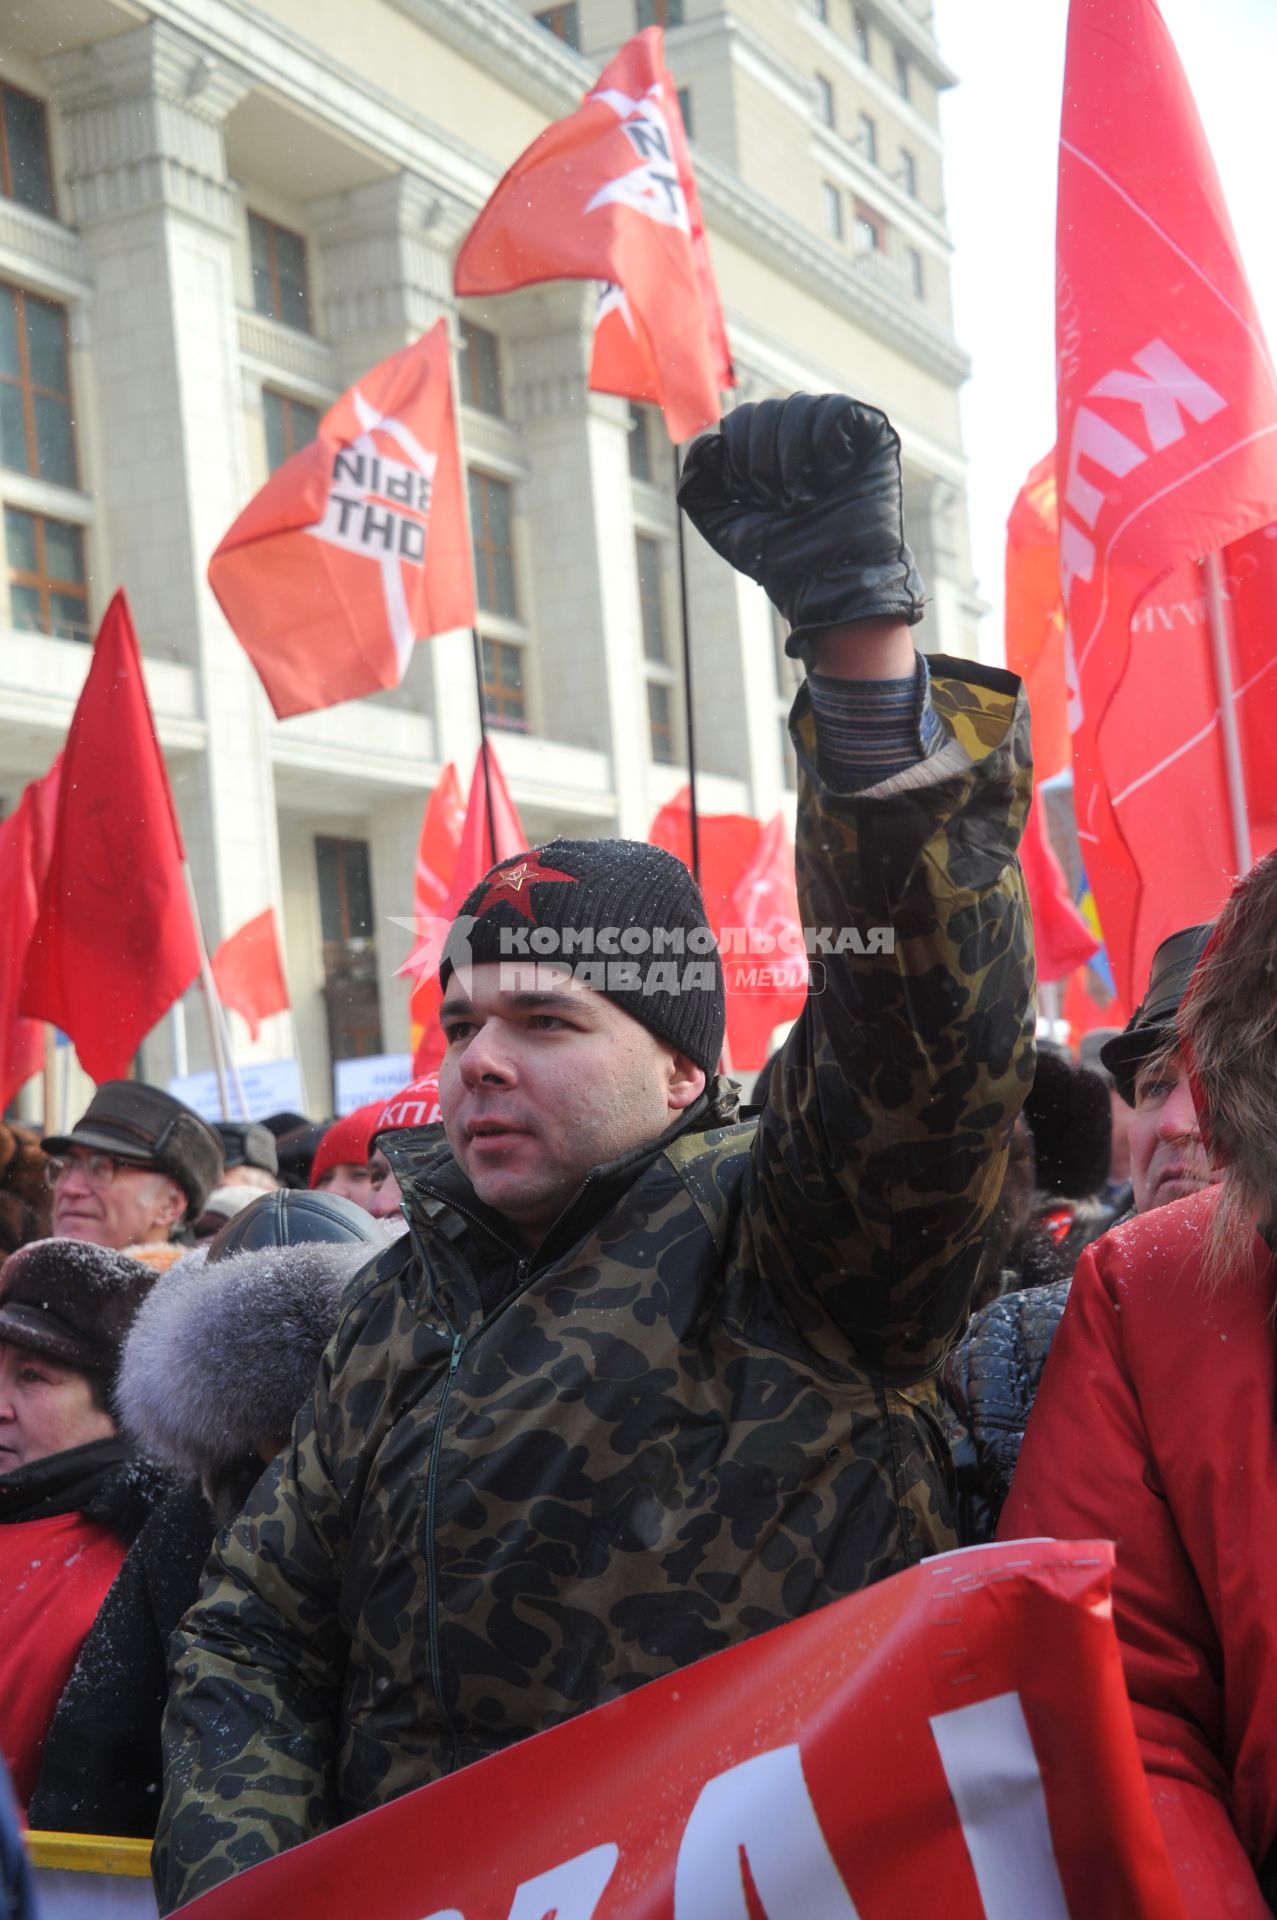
(1035, 615)
(1061, 937)
(954, 1740)
(115, 944)
(1167, 404)
(751, 902)
(608, 194)
(249, 972)
(26, 843)
(441, 829)
(474, 856)
(356, 548)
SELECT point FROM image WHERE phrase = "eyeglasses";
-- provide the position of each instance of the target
(99, 1169)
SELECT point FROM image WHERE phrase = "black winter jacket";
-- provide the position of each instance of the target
(990, 1381)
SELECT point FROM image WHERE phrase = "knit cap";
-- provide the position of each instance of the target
(622, 917)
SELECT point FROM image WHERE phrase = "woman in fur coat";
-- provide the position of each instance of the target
(216, 1366)
(1156, 1427)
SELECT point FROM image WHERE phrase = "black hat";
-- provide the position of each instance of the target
(1153, 1022)
(288, 1218)
(1069, 1114)
(622, 916)
(132, 1121)
(804, 496)
(72, 1301)
(245, 1144)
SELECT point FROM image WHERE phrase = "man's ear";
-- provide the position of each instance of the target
(686, 1082)
(170, 1204)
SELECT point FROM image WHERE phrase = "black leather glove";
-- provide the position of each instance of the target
(803, 495)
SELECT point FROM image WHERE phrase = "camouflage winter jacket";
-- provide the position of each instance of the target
(707, 1403)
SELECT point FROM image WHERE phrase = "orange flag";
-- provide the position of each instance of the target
(115, 943)
(249, 972)
(608, 194)
(356, 548)
(441, 829)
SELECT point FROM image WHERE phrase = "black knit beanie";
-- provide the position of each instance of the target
(622, 917)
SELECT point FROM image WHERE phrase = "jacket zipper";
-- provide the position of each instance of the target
(524, 1275)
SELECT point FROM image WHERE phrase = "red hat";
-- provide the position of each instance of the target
(416, 1105)
(347, 1142)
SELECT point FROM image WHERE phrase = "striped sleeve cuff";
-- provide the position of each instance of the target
(870, 730)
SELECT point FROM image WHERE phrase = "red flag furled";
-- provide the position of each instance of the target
(751, 902)
(956, 1739)
(356, 548)
(115, 943)
(1035, 615)
(608, 194)
(249, 972)
(441, 829)
(1167, 419)
(473, 857)
(1062, 940)
(26, 843)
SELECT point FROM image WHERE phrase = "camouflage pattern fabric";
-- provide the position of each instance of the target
(708, 1404)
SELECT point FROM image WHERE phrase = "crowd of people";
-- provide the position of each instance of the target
(333, 1459)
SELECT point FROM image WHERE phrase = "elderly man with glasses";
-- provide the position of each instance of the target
(133, 1170)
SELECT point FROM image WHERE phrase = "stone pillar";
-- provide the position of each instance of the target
(584, 590)
(143, 117)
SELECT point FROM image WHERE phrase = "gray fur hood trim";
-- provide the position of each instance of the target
(222, 1355)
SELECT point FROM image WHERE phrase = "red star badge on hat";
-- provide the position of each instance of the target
(512, 886)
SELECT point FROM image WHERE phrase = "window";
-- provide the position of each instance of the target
(563, 22)
(788, 758)
(902, 73)
(685, 110)
(505, 702)
(824, 101)
(344, 874)
(481, 370)
(660, 722)
(46, 576)
(831, 208)
(640, 444)
(917, 274)
(821, 10)
(290, 424)
(25, 174)
(869, 235)
(908, 173)
(491, 528)
(35, 388)
(659, 13)
(867, 138)
(860, 33)
(651, 612)
(279, 273)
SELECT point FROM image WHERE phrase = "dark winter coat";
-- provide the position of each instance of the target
(991, 1380)
(706, 1405)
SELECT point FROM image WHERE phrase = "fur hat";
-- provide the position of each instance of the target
(1071, 1120)
(26, 1202)
(224, 1353)
(73, 1302)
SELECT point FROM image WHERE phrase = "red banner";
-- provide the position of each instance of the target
(1167, 412)
(26, 844)
(955, 1741)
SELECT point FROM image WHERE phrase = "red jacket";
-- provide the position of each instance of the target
(1155, 1427)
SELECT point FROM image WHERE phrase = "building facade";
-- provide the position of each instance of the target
(216, 214)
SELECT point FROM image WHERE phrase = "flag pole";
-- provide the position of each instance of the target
(232, 1066)
(1222, 656)
(483, 743)
(693, 810)
(209, 990)
(50, 1080)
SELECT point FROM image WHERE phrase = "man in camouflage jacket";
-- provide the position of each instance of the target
(545, 1466)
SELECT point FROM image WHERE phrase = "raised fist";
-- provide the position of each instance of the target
(803, 495)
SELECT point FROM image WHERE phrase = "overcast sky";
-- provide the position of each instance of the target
(1001, 129)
